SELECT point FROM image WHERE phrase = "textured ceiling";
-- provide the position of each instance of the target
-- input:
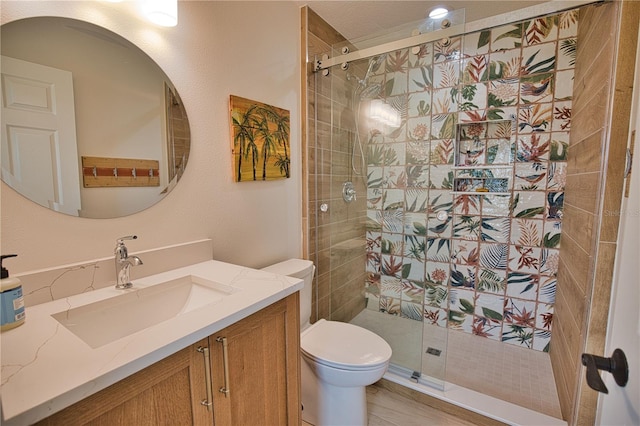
(356, 19)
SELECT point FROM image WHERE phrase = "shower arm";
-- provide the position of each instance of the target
(419, 39)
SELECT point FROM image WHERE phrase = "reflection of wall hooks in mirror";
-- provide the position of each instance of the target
(119, 172)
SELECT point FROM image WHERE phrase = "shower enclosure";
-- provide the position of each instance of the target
(438, 194)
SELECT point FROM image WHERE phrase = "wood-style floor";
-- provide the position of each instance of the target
(388, 409)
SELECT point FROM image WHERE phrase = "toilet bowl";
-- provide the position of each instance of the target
(338, 359)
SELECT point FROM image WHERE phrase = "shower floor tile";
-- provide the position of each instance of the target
(513, 374)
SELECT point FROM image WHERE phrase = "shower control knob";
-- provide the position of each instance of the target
(348, 192)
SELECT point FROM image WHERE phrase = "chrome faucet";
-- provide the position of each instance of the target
(124, 262)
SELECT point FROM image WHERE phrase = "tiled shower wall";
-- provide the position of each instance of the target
(487, 264)
(604, 79)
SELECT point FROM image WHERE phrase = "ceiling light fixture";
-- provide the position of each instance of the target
(438, 12)
(162, 12)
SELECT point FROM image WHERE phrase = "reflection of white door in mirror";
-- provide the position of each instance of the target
(39, 150)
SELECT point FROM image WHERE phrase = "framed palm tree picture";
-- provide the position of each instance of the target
(260, 135)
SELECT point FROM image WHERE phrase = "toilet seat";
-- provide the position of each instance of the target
(344, 346)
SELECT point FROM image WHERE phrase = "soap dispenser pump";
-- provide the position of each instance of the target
(12, 312)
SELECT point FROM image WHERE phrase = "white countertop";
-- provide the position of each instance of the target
(45, 367)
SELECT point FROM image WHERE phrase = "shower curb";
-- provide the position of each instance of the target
(467, 404)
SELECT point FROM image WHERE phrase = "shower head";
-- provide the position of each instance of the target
(371, 91)
(365, 89)
(374, 65)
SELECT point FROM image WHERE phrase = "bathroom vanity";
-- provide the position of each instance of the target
(228, 355)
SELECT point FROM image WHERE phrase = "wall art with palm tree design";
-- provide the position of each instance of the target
(261, 147)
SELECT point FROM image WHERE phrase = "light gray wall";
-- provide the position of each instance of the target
(249, 49)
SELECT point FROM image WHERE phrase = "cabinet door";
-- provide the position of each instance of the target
(259, 369)
(166, 393)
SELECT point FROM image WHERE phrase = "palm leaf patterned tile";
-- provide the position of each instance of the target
(484, 264)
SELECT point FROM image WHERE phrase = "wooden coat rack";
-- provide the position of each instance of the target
(100, 172)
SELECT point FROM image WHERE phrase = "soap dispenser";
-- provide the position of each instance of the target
(12, 311)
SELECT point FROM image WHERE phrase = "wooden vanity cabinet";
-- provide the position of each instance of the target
(262, 377)
(166, 393)
(260, 384)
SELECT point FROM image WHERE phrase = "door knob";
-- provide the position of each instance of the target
(616, 365)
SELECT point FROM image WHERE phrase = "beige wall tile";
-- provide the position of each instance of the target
(586, 155)
(582, 190)
(597, 30)
(576, 261)
(578, 224)
(590, 111)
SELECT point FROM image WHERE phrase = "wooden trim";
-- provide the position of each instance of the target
(304, 130)
(294, 399)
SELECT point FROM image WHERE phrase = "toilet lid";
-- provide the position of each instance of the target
(344, 345)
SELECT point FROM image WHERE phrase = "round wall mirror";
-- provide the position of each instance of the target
(91, 126)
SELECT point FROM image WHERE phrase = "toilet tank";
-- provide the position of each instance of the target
(302, 269)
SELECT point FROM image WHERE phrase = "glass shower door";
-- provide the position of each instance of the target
(386, 181)
(369, 184)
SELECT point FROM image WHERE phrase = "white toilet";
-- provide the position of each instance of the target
(338, 359)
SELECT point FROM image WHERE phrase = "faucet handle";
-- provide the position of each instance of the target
(128, 237)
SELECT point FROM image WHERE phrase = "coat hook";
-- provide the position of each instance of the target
(616, 365)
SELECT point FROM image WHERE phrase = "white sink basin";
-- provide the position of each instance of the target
(111, 319)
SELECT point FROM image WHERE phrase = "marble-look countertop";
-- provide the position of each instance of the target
(45, 367)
